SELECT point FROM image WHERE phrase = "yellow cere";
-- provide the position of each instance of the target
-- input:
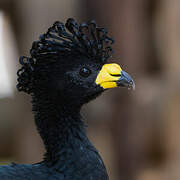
(105, 77)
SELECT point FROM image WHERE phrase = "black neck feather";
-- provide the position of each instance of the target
(59, 125)
(68, 150)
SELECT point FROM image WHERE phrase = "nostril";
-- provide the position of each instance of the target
(116, 75)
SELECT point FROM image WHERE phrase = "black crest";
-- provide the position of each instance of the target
(60, 40)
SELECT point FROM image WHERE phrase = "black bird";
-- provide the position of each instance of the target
(66, 69)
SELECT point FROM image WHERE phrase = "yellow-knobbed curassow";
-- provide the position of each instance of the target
(66, 69)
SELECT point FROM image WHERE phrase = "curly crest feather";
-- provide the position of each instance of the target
(62, 40)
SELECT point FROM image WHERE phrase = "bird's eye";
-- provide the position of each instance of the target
(85, 72)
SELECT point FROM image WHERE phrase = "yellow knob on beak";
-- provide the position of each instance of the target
(111, 75)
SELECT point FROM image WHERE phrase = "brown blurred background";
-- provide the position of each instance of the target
(137, 133)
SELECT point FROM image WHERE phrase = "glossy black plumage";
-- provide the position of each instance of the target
(53, 76)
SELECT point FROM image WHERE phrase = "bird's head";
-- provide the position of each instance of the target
(69, 63)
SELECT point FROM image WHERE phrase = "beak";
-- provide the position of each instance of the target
(111, 75)
(126, 81)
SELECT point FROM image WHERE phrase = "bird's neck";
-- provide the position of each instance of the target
(68, 149)
(60, 126)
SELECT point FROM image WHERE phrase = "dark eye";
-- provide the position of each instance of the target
(85, 72)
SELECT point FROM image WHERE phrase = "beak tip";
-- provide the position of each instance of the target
(133, 86)
(126, 81)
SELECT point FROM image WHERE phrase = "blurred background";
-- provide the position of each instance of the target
(136, 132)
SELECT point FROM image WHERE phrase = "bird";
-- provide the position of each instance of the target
(67, 67)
